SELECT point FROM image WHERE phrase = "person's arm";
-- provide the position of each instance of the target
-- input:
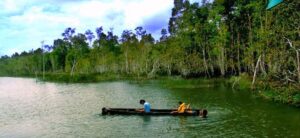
(141, 110)
(175, 111)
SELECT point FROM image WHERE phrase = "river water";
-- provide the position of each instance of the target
(37, 109)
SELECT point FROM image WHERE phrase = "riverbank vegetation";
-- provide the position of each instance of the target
(240, 39)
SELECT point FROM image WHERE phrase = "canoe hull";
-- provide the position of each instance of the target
(154, 112)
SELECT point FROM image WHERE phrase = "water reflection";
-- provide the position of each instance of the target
(33, 109)
(182, 120)
(146, 120)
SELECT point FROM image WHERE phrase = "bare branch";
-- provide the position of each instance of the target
(290, 43)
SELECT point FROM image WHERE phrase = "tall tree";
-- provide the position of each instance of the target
(89, 35)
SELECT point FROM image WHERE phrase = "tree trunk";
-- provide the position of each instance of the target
(154, 67)
(126, 62)
(210, 66)
(255, 71)
(262, 65)
(297, 58)
(73, 67)
(222, 62)
(205, 63)
(238, 53)
(298, 63)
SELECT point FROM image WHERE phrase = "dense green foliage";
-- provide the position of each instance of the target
(223, 38)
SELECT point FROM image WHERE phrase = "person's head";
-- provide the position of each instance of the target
(142, 101)
(180, 102)
(204, 113)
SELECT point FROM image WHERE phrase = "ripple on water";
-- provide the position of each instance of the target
(30, 109)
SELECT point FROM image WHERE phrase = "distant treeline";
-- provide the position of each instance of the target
(222, 38)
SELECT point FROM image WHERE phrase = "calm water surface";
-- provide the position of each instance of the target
(35, 109)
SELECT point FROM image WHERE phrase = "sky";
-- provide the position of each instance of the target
(25, 23)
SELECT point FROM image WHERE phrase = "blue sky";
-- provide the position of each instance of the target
(25, 23)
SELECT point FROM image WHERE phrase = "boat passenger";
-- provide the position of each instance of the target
(147, 107)
(203, 113)
(181, 108)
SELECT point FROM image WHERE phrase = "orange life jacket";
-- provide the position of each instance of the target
(181, 108)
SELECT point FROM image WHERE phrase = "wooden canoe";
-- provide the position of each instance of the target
(134, 111)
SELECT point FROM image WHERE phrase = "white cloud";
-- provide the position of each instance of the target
(27, 22)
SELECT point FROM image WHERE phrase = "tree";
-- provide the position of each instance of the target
(140, 32)
(68, 33)
(89, 35)
(176, 13)
(58, 55)
(164, 34)
(129, 42)
(78, 50)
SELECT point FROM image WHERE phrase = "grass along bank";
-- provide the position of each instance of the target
(270, 90)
